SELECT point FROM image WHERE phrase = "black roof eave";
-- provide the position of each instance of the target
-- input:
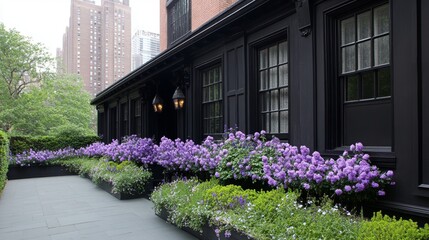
(234, 12)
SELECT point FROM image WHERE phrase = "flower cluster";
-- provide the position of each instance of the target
(242, 157)
(132, 148)
(187, 156)
(350, 173)
(39, 157)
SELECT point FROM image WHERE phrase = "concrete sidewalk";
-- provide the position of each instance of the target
(71, 207)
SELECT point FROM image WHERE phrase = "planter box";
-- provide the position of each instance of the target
(19, 172)
(106, 186)
(208, 231)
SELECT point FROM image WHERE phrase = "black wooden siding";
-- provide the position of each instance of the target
(313, 98)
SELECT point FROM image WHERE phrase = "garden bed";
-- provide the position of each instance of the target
(106, 186)
(22, 172)
(208, 232)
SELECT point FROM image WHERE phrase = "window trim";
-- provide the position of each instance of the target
(169, 4)
(334, 94)
(201, 70)
(253, 47)
(278, 88)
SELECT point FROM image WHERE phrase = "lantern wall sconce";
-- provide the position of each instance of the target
(157, 104)
(179, 96)
(178, 99)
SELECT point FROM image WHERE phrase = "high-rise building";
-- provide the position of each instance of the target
(180, 17)
(96, 44)
(144, 47)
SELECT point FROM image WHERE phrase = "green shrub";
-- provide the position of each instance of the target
(184, 202)
(261, 215)
(125, 177)
(4, 154)
(19, 144)
(228, 197)
(386, 228)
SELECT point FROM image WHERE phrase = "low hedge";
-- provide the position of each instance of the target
(275, 214)
(19, 144)
(4, 153)
(125, 177)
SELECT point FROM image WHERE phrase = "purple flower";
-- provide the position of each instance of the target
(347, 188)
(306, 186)
(227, 234)
(338, 192)
(359, 147)
(381, 193)
(217, 174)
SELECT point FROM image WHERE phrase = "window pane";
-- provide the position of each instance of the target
(211, 72)
(284, 121)
(348, 31)
(348, 61)
(274, 99)
(264, 100)
(216, 92)
(283, 75)
(381, 19)
(216, 75)
(364, 55)
(263, 80)
(352, 88)
(364, 25)
(274, 122)
(283, 53)
(273, 78)
(266, 122)
(284, 98)
(381, 50)
(263, 59)
(273, 56)
(384, 82)
(211, 95)
(368, 85)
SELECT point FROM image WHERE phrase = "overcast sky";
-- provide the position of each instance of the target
(45, 20)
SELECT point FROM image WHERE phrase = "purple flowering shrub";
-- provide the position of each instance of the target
(348, 177)
(31, 157)
(186, 156)
(96, 149)
(241, 156)
(132, 148)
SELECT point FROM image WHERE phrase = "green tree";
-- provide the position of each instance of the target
(22, 62)
(59, 105)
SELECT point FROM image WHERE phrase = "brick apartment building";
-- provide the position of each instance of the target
(96, 44)
(173, 11)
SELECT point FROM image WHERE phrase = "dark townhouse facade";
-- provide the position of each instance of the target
(320, 73)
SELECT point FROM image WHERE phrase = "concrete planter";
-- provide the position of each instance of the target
(22, 172)
(208, 231)
(107, 186)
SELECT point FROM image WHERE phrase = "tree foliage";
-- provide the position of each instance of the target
(58, 106)
(23, 62)
(34, 100)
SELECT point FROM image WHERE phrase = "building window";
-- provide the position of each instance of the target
(273, 85)
(365, 54)
(124, 120)
(113, 124)
(137, 120)
(212, 101)
(364, 77)
(179, 21)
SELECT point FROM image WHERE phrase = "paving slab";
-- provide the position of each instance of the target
(71, 207)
